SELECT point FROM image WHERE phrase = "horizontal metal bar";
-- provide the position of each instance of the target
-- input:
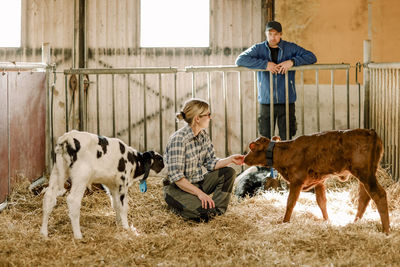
(22, 66)
(157, 70)
(391, 65)
(122, 71)
(215, 68)
(237, 68)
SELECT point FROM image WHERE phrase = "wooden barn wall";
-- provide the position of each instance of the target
(112, 40)
(234, 26)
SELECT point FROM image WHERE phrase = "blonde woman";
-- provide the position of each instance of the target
(187, 187)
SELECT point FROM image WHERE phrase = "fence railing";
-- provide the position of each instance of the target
(384, 111)
(316, 67)
(233, 137)
(83, 118)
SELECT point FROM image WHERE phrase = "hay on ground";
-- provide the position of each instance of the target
(249, 234)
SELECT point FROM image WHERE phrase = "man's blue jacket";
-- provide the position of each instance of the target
(258, 56)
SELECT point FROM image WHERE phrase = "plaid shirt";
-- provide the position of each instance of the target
(186, 154)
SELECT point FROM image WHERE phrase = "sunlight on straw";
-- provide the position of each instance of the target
(340, 209)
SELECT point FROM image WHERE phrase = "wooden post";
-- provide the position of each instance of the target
(79, 53)
(270, 10)
(81, 38)
(268, 14)
(46, 58)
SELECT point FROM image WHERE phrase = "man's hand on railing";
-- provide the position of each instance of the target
(272, 67)
(284, 66)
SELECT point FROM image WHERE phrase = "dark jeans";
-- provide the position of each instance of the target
(218, 182)
(264, 124)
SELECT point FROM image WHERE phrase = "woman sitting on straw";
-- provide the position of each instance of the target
(187, 186)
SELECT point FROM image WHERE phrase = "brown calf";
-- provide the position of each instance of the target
(307, 161)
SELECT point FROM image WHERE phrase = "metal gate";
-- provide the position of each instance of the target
(384, 111)
(98, 107)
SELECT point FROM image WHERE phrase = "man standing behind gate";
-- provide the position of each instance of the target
(277, 57)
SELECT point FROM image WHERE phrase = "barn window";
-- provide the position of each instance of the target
(10, 21)
(175, 23)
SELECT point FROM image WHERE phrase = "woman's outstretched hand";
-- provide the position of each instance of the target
(237, 159)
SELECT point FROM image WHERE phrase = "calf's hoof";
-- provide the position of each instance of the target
(78, 235)
(44, 232)
(386, 231)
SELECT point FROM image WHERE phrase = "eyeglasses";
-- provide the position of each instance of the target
(208, 115)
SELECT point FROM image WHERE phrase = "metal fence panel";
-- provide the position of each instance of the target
(136, 103)
(384, 110)
(23, 127)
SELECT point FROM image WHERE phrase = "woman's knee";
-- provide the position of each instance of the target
(228, 174)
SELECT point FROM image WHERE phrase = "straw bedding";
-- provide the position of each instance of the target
(249, 234)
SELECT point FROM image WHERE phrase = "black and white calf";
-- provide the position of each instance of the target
(88, 158)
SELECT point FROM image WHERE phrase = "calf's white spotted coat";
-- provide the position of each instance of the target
(88, 158)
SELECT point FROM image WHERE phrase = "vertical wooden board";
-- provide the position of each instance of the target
(24, 23)
(27, 125)
(100, 40)
(38, 37)
(130, 26)
(218, 111)
(61, 42)
(228, 43)
(106, 106)
(92, 27)
(231, 84)
(137, 136)
(136, 24)
(258, 29)
(245, 26)
(28, 28)
(200, 85)
(168, 83)
(236, 30)
(218, 28)
(68, 33)
(152, 119)
(249, 108)
(4, 175)
(122, 31)
(121, 104)
(58, 106)
(50, 24)
(112, 32)
(233, 109)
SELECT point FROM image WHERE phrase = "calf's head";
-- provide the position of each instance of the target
(152, 161)
(257, 155)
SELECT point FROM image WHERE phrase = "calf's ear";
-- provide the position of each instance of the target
(252, 146)
(147, 156)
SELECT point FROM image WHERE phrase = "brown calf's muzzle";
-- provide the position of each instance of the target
(256, 155)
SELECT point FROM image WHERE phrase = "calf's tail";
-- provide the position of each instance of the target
(377, 151)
